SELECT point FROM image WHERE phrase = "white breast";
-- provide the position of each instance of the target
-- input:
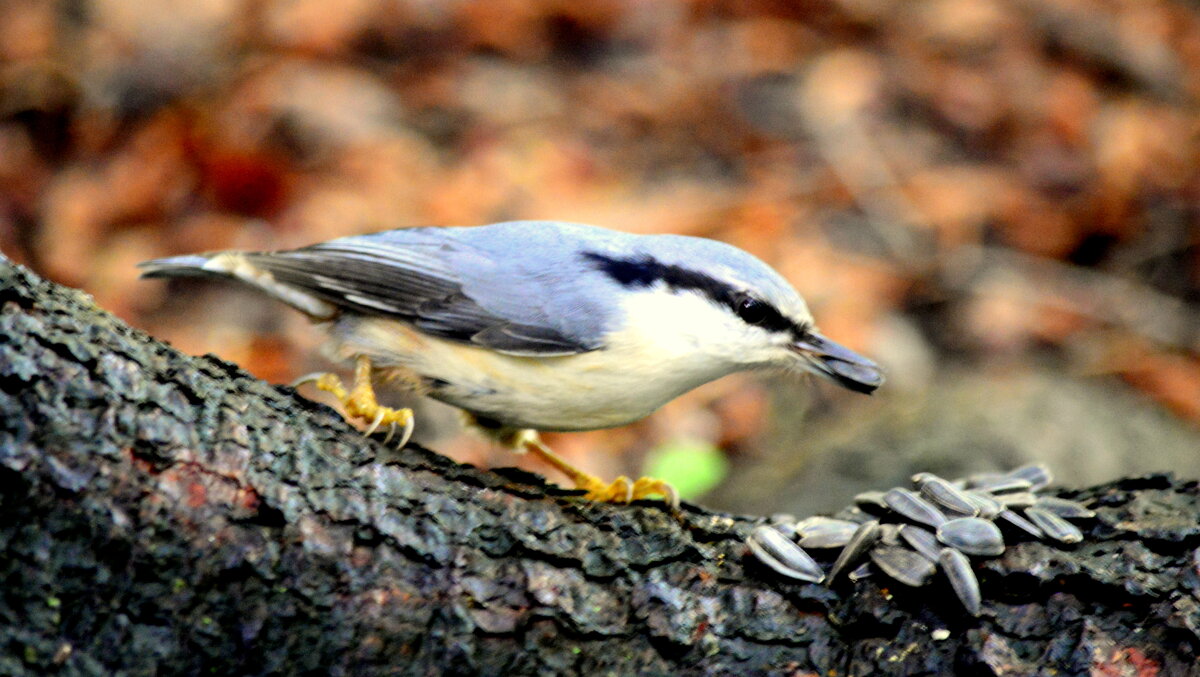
(666, 348)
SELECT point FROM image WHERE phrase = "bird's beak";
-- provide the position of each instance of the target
(838, 363)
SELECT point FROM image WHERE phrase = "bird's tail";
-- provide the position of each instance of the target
(190, 265)
(238, 266)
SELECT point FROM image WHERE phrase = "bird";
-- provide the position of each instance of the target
(538, 326)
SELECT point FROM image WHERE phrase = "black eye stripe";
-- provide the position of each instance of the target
(645, 271)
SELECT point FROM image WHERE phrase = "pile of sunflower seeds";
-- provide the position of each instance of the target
(908, 534)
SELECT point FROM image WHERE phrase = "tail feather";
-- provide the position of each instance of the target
(237, 266)
(189, 265)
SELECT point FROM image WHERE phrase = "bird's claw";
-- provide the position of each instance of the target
(375, 422)
(405, 434)
(395, 418)
(308, 378)
(360, 403)
(623, 490)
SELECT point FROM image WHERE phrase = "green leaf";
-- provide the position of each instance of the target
(691, 466)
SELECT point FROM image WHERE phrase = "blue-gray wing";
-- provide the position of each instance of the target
(439, 282)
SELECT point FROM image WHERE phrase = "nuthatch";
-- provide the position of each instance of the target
(540, 325)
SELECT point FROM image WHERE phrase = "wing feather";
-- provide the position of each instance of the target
(415, 281)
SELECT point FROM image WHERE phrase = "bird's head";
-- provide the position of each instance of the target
(715, 300)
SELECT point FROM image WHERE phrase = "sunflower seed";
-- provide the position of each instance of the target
(903, 565)
(889, 534)
(871, 501)
(810, 522)
(923, 477)
(1064, 508)
(785, 523)
(1055, 527)
(913, 507)
(785, 557)
(862, 571)
(1021, 499)
(922, 540)
(825, 532)
(864, 537)
(854, 514)
(988, 507)
(948, 496)
(958, 571)
(1005, 485)
(1021, 523)
(997, 483)
(972, 535)
(1037, 474)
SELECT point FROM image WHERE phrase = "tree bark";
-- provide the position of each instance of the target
(166, 514)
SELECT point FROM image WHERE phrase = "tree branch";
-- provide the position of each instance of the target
(170, 514)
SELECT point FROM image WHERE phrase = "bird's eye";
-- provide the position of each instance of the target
(751, 310)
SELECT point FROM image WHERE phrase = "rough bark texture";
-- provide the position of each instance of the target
(165, 514)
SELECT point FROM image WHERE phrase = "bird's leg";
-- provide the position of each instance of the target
(359, 402)
(621, 490)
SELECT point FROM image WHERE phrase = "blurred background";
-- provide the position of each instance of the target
(999, 200)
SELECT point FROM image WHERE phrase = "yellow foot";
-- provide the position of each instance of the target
(360, 402)
(621, 490)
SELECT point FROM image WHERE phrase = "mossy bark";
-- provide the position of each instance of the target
(165, 514)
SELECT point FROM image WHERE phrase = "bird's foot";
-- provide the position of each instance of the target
(359, 402)
(624, 490)
(620, 490)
